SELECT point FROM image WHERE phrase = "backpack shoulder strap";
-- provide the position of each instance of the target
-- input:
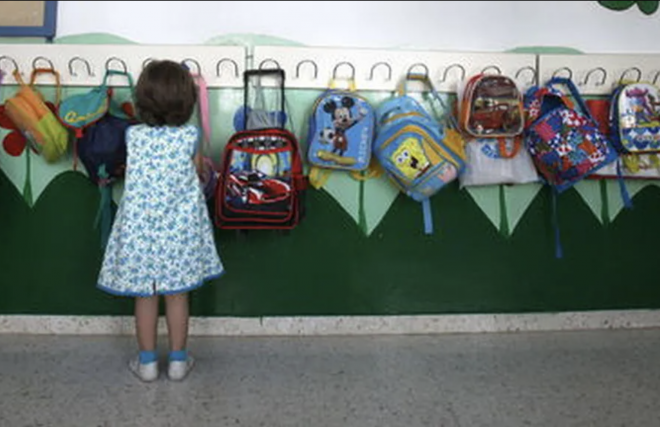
(204, 110)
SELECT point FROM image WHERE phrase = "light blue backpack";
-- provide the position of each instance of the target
(420, 154)
(341, 133)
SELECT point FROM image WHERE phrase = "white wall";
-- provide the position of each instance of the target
(447, 25)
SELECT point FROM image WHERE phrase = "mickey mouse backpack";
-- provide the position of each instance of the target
(341, 132)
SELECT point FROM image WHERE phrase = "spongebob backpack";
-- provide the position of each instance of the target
(418, 153)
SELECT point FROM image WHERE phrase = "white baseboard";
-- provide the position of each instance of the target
(342, 325)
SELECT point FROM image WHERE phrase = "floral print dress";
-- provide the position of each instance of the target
(162, 237)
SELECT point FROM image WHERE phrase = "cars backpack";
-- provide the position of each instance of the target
(261, 183)
(565, 142)
(492, 121)
(341, 132)
(418, 153)
(491, 106)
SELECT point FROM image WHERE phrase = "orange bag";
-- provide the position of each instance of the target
(29, 112)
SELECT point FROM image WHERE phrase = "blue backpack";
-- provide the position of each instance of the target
(340, 136)
(100, 124)
(418, 153)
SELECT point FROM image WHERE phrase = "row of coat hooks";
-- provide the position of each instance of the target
(115, 60)
(235, 67)
(309, 67)
(602, 72)
(388, 68)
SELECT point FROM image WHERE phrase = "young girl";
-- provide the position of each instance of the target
(162, 238)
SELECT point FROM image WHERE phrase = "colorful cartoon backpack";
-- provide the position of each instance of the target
(420, 154)
(492, 120)
(492, 107)
(565, 142)
(341, 133)
(36, 119)
(261, 183)
(634, 121)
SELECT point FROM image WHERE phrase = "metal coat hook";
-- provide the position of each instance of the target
(145, 62)
(334, 70)
(12, 60)
(448, 69)
(593, 70)
(655, 79)
(223, 60)
(493, 67)
(419, 64)
(267, 60)
(568, 70)
(114, 58)
(84, 61)
(194, 61)
(639, 73)
(530, 69)
(50, 63)
(379, 64)
(307, 61)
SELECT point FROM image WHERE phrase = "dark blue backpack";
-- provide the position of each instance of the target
(102, 150)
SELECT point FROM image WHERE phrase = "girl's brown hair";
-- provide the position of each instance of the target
(165, 94)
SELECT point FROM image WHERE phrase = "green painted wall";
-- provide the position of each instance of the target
(49, 259)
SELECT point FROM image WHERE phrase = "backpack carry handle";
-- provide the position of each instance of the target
(109, 73)
(38, 71)
(248, 74)
(575, 94)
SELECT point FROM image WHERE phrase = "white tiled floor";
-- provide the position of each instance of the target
(570, 379)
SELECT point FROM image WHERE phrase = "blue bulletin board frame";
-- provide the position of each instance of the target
(46, 29)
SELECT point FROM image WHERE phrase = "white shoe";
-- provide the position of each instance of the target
(178, 370)
(147, 372)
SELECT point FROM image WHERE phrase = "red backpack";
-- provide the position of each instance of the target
(261, 183)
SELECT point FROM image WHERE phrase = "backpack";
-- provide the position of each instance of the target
(340, 136)
(565, 142)
(492, 107)
(492, 120)
(80, 112)
(634, 121)
(30, 113)
(419, 154)
(261, 183)
(100, 126)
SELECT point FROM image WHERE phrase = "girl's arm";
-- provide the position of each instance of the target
(198, 162)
